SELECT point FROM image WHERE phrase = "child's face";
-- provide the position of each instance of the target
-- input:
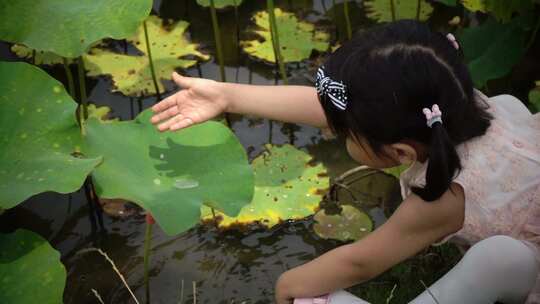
(361, 152)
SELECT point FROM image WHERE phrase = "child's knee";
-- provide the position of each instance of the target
(503, 256)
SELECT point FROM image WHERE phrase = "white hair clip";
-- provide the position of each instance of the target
(335, 90)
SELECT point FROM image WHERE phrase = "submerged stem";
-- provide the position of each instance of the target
(69, 76)
(217, 38)
(147, 241)
(275, 40)
(152, 69)
(219, 49)
(83, 115)
(347, 19)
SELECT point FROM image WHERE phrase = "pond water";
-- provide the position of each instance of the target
(232, 266)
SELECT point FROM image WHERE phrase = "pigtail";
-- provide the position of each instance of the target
(443, 165)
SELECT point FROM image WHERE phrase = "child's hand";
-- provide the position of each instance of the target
(200, 100)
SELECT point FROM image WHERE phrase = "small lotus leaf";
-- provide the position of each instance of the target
(502, 10)
(297, 38)
(102, 113)
(350, 224)
(492, 49)
(30, 270)
(131, 74)
(68, 27)
(534, 98)
(381, 10)
(41, 57)
(396, 171)
(287, 187)
(38, 134)
(220, 3)
(170, 174)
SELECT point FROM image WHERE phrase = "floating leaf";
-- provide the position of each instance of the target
(492, 49)
(396, 171)
(131, 74)
(381, 10)
(502, 10)
(220, 3)
(170, 174)
(30, 270)
(350, 224)
(38, 134)
(297, 38)
(534, 98)
(286, 187)
(41, 57)
(68, 27)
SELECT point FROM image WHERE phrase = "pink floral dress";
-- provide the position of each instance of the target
(500, 177)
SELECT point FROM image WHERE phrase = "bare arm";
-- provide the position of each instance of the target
(297, 104)
(203, 99)
(414, 226)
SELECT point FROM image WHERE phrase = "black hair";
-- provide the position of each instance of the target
(393, 71)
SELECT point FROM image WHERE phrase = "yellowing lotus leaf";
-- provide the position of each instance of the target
(131, 74)
(381, 10)
(287, 187)
(350, 224)
(297, 38)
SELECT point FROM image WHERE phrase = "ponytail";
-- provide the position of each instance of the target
(443, 165)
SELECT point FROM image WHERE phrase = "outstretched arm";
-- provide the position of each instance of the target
(414, 226)
(203, 99)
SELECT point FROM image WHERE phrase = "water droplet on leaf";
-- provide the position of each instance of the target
(185, 183)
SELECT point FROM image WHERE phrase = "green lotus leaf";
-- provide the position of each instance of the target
(534, 98)
(131, 74)
(381, 10)
(448, 2)
(30, 269)
(297, 38)
(170, 174)
(68, 27)
(502, 10)
(38, 134)
(220, 3)
(350, 224)
(287, 187)
(492, 49)
(41, 57)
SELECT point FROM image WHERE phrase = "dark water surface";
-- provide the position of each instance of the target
(226, 266)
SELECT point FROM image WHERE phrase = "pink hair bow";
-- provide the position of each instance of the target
(432, 116)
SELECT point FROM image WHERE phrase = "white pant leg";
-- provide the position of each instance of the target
(498, 268)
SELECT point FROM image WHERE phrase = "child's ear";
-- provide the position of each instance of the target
(403, 153)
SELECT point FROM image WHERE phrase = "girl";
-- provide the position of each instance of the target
(401, 94)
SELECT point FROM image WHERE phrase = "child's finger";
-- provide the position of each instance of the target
(165, 103)
(186, 122)
(170, 112)
(166, 125)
